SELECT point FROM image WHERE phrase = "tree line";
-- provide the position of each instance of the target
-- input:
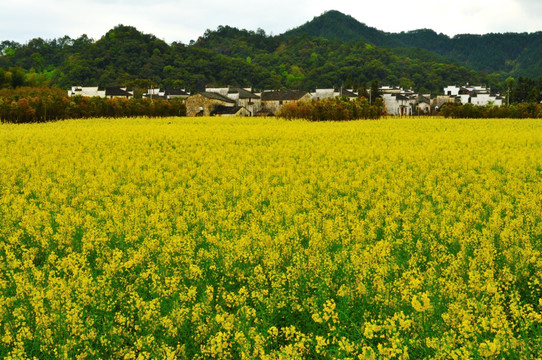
(31, 104)
(527, 110)
(524, 90)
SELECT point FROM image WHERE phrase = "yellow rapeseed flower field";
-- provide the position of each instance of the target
(198, 238)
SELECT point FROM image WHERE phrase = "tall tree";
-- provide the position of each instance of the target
(375, 91)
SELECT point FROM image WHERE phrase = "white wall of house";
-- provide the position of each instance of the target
(86, 91)
(486, 99)
(221, 91)
(452, 90)
(480, 99)
(324, 94)
(464, 98)
(233, 96)
(390, 103)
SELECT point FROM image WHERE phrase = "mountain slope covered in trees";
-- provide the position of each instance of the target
(510, 53)
(332, 50)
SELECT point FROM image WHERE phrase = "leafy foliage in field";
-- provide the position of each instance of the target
(263, 238)
(333, 109)
(470, 111)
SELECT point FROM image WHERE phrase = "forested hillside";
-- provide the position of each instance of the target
(512, 54)
(332, 50)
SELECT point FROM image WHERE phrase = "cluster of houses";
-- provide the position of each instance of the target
(123, 92)
(236, 101)
(406, 102)
(476, 95)
(233, 101)
(100, 91)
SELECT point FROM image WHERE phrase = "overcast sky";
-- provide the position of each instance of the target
(182, 20)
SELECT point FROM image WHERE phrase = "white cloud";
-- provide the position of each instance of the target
(175, 20)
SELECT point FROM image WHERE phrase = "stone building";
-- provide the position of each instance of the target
(423, 107)
(205, 103)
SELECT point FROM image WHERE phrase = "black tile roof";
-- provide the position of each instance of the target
(423, 99)
(176, 92)
(243, 94)
(401, 97)
(226, 110)
(216, 96)
(116, 91)
(344, 92)
(283, 95)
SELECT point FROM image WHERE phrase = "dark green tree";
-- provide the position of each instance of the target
(375, 91)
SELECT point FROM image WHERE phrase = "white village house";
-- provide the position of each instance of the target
(476, 95)
(398, 101)
(167, 94)
(100, 91)
(405, 102)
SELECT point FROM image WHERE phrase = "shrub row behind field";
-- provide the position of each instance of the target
(333, 109)
(24, 105)
(514, 111)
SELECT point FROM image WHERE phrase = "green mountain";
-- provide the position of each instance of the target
(490, 52)
(516, 54)
(332, 50)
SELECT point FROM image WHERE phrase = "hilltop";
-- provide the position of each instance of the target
(334, 25)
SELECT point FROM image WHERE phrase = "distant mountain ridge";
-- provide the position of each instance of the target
(518, 54)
